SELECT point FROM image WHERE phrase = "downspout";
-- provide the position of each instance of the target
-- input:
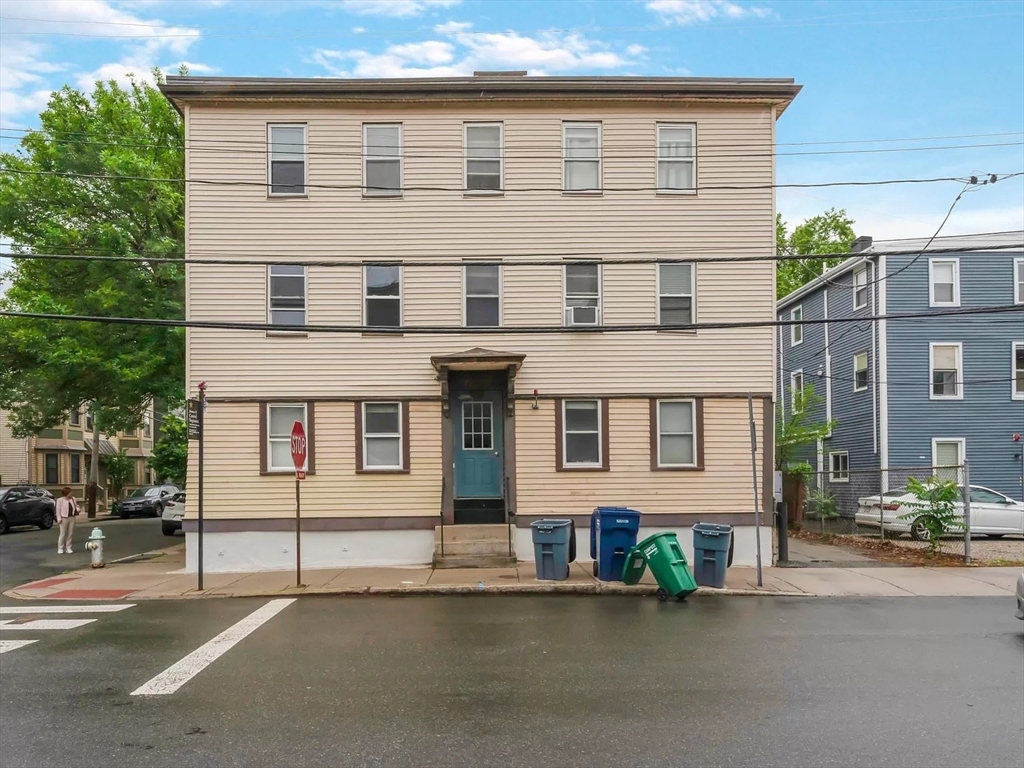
(883, 376)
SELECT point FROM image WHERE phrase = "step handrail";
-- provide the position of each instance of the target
(443, 486)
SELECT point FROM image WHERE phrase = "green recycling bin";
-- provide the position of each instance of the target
(663, 555)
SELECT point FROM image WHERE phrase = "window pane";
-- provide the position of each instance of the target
(482, 280)
(582, 141)
(287, 177)
(1019, 370)
(483, 141)
(384, 313)
(581, 279)
(860, 298)
(676, 417)
(942, 272)
(481, 180)
(384, 140)
(281, 454)
(676, 310)
(381, 418)
(282, 417)
(675, 142)
(676, 279)
(582, 449)
(482, 312)
(944, 383)
(287, 143)
(581, 416)
(944, 358)
(382, 452)
(383, 281)
(677, 449)
(383, 176)
(944, 292)
(860, 362)
(675, 175)
(947, 454)
(287, 317)
(582, 174)
(286, 290)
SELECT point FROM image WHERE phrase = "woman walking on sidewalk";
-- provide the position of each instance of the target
(67, 511)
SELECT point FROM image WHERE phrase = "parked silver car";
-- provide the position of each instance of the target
(992, 513)
(174, 511)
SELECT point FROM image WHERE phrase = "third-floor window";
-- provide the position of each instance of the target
(675, 158)
(582, 157)
(287, 159)
(382, 159)
(484, 153)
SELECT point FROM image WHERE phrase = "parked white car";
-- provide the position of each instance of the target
(174, 511)
(992, 513)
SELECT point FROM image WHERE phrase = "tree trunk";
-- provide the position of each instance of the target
(94, 469)
(793, 492)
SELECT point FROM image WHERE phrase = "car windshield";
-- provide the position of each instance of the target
(138, 493)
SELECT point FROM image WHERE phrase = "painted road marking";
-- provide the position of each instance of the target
(13, 645)
(46, 624)
(112, 608)
(175, 676)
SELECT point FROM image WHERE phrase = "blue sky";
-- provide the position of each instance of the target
(870, 71)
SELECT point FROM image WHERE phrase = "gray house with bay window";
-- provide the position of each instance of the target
(915, 393)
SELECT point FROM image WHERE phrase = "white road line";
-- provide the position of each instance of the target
(13, 645)
(112, 608)
(175, 676)
(46, 624)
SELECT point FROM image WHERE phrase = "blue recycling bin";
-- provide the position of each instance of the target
(551, 548)
(613, 532)
(712, 549)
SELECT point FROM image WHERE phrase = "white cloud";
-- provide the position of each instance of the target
(395, 8)
(451, 27)
(636, 50)
(23, 71)
(358, 30)
(686, 12)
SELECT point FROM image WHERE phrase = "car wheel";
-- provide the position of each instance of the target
(168, 529)
(158, 510)
(994, 535)
(918, 532)
(123, 515)
(46, 521)
(4, 526)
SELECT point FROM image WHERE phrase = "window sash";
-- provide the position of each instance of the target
(860, 371)
(1018, 370)
(860, 288)
(481, 294)
(676, 294)
(1018, 286)
(52, 468)
(946, 365)
(382, 300)
(286, 294)
(279, 435)
(676, 158)
(796, 332)
(943, 282)
(75, 418)
(286, 159)
(581, 157)
(76, 468)
(839, 467)
(578, 437)
(484, 145)
(382, 159)
(686, 438)
(147, 425)
(947, 467)
(796, 389)
(576, 288)
(382, 440)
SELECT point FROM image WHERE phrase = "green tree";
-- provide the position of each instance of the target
(48, 368)
(793, 435)
(120, 471)
(170, 454)
(829, 232)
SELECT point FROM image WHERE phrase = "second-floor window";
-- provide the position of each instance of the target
(147, 425)
(944, 282)
(860, 371)
(860, 288)
(382, 159)
(675, 294)
(946, 371)
(581, 157)
(482, 285)
(1018, 281)
(675, 158)
(484, 157)
(75, 418)
(1018, 370)
(287, 159)
(796, 332)
(582, 294)
(796, 389)
(286, 294)
(383, 296)
(89, 421)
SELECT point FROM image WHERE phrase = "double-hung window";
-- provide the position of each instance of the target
(75, 419)
(581, 157)
(839, 467)
(581, 438)
(860, 288)
(860, 371)
(946, 371)
(675, 158)
(147, 425)
(1018, 281)
(382, 159)
(286, 292)
(89, 420)
(796, 332)
(944, 282)
(582, 294)
(52, 468)
(76, 468)
(281, 418)
(796, 389)
(947, 457)
(677, 433)
(1018, 370)
(286, 145)
(382, 296)
(484, 151)
(382, 437)
(675, 294)
(482, 287)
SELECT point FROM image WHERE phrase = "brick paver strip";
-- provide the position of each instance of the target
(93, 594)
(48, 583)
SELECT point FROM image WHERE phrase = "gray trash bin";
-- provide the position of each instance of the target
(711, 548)
(551, 548)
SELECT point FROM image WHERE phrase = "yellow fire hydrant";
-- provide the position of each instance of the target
(95, 545)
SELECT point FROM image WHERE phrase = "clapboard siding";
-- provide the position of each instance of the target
(14, 452)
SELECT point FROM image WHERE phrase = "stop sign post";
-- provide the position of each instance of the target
(298, 447)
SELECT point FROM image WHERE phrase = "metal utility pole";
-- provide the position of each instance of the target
(753, 467)
(94, 466)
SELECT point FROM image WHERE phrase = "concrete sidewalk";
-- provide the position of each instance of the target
(160, 575)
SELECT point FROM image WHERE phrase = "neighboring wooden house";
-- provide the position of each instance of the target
(479, 425)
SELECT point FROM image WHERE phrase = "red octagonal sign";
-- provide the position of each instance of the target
(299, 449)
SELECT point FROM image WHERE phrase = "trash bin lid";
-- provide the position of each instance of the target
(550, 523)
(712, 529)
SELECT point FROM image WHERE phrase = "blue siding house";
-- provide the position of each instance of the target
(918, 392)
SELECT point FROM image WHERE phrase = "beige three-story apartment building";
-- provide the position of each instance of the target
(487, 246)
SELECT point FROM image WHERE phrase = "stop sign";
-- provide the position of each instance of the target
(299, 447)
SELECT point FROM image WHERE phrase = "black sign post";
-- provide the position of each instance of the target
(196, 413)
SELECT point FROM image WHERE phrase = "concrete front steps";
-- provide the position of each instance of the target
(474, 546)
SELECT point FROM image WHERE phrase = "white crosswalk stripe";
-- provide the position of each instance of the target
(10, 624)
(33, 609)
(13, 645)
(27, 621)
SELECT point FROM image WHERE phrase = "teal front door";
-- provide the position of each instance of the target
(478, 446)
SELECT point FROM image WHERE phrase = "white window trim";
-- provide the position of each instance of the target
(270, 453)
(956, 283)
(962, 449)
(692, 294)
(565, 437)
(401, 161)
(600, 157)
(861, 270)
(867, 367)
(401, 299)
(959, 370)
(390, 435)
(692, 432)
(462, 416)
(501, 159)
(501, 293)
(284, 329)
(658, 159)
(1018, 294)
(793, 389)
(600, 294)
(793, 329)
(305, 160)
(1014, 394)
(832, 478)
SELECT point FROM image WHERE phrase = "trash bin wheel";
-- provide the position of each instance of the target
(661, 594)
(681, 598)
(596, 569)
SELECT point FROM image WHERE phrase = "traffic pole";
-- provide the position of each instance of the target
(201, 417)
(298, 534)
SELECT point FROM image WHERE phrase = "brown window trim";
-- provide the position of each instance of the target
(310, 438)
(605, 442)
(698, 435)
(403, 406)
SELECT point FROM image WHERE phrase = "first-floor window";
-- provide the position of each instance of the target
(52, 468)
(382, 436)
(676, 434)
(581, 444)
(860, 371)
(1018, 370)
(76, 468)
(947, 456)
(281, 418)
(839, 467)
(148, 476)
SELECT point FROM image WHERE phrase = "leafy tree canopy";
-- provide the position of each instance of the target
(170, 454)
(48, 368)
(829, 232)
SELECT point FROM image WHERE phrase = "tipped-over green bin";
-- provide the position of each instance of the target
(663, 555)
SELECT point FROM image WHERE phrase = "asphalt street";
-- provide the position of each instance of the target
(524, 681)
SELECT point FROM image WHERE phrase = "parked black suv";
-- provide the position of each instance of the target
(26, 505)
(149, 501)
